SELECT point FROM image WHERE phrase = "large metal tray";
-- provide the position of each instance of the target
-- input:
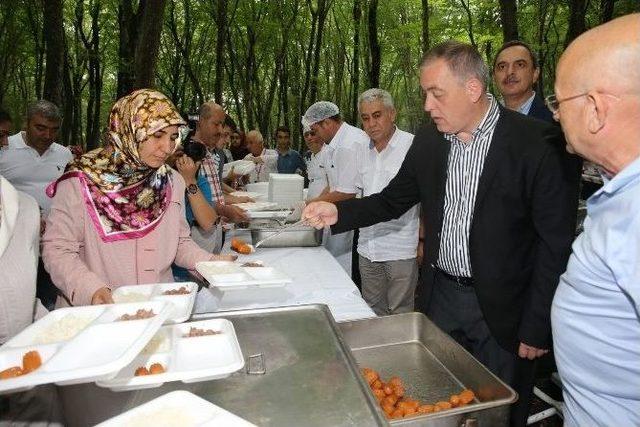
(310, 377)
(432, 365)
(292, 237)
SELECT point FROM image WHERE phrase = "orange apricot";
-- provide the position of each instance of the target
(31, 361)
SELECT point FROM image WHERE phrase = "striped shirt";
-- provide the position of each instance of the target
(464, 169)
(209, 168)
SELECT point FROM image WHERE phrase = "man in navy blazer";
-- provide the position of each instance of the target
(515, 72)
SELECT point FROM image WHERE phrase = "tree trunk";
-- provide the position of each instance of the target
(148, 45)
(54, 39)
(221, 22)
(577, 24)
(355, 75)
(374, 44)
(307, 59)
(426, 42)
(323, 10)
(467, 10)
(606, 10)
(127, 20)
(509, 18)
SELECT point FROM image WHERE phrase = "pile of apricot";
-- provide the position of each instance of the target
(30, 362)
(241, 247)
(396, 404)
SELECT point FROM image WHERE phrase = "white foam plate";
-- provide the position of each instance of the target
(277, 214)
(240, 167)
(256, 206)
(97, 349)
(182, 304)
(241, 277)
(177, 408)
(186, 359)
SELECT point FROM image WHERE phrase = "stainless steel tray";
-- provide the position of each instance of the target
(432, 365)
(293, 237)
(305, 376)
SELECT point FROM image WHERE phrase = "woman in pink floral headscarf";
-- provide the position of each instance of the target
(118, 212)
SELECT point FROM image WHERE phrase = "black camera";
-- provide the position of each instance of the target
(194, 149)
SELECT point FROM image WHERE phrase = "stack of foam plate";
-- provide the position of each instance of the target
(181, 296)
(81, 344)
(188, 352)
(177, 408)
(285, 189)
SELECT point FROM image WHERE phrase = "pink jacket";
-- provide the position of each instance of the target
(80, 263)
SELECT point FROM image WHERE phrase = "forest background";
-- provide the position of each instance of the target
(265, 61)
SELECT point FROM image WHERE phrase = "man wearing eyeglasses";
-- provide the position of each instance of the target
(596, 309)
(515, 72)
(342, 143)
(314, 159)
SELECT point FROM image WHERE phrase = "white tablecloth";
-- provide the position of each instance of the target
(317, 278)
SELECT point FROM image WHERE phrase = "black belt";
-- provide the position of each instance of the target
(460, 280)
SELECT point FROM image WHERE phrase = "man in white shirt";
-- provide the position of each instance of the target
(315, 163)
(343, 142)
(33, 160)
(265, 158)
(387, 250)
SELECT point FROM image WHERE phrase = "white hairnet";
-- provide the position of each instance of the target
(306, 127)
(319, 111)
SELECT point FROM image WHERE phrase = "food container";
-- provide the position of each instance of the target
(94, 343)
(298, 372)
(229, 275)
(433, 367)
(292, 237)
(177, 408)
(182, 303)
(214, 353)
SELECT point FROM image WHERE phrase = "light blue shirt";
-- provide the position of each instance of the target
(596, 310)
(524, 108)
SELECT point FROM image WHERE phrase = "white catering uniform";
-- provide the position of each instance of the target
(341, 166)
(316, 172)
(30, 172)
(387, 250)
(398, 238)
(262, 170)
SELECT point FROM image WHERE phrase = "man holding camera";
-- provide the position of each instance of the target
(199, 167)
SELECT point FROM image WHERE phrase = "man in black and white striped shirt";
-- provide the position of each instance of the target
(464, 169)
(498, 204)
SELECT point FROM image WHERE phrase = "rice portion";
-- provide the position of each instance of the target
(130, 297)
(64, 329)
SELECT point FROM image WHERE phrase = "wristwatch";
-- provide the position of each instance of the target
(192, 189)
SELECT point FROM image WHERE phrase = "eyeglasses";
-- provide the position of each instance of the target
(553, 103)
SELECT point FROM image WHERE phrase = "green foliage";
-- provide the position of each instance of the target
(269, 53)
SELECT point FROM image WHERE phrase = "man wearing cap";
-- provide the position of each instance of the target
(343, 143)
